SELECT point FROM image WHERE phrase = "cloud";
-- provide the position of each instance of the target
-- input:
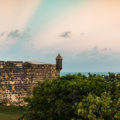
(1, 34)
(94, 51)
(14, 34)
(96, 56)
(66, 34)
(17, 34)
(89, 53)
(107, 49)
(83, 53)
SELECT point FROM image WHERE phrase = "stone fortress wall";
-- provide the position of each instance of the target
(18, 78)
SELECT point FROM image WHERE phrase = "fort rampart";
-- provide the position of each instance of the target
(17, 79)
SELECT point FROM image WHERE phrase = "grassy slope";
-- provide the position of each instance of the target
(10, 112)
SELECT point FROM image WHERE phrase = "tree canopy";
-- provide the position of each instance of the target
(75, 97)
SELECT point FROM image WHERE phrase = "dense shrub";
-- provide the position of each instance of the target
(53, 100)
(101, 107)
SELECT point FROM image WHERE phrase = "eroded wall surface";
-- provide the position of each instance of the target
(17, 79)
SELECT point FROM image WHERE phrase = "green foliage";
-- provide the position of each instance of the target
(76, 97)
(93, 107)
(103, 107)
(53, 100)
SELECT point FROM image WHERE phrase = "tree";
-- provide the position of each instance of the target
(103, 107)
(53, 100)
(93, 107)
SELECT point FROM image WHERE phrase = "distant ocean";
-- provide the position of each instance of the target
(86, 73)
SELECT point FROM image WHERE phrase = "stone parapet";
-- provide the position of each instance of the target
(18, 78)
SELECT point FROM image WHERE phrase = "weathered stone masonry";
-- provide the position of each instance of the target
(17, 78)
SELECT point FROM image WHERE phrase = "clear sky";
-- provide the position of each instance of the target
(85, 32)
